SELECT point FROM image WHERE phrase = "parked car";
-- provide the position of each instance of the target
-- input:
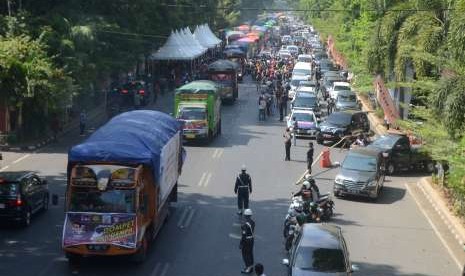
(319, 249)
(22, 194)
(337, 87)
(307, 123)
(327, 84)
(343, 123)
(347, 100)
(362, 173)
(400, 155)
(307, 101)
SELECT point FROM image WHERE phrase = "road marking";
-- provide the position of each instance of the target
(155, 270)
(202, 179)
(4, 168)
(209, 176)
(215, 153)
(21, 158)
(165, 269)
(189, 218)
(183, 216)
(220, 153)
(443, 241)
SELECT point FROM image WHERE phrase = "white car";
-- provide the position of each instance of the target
(294, 50)
(337, 87)
(294, 83)
(307, 123)
(284, 54)
(305, 58)
(302, 68)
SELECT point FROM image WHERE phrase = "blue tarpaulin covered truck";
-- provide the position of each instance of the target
(120, 181)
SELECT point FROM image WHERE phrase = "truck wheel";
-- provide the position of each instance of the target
(141, 254)
(73, 258)
(391, 169)
(429, 166)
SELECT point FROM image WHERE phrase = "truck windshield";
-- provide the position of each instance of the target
(193, 113)
(109, 201)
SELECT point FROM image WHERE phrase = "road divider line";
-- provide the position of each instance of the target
(220, 153)
(165, 269)
(202, 179)
(189, 218)
(183, 216)
(21, 158)
(209, 176)
(435, 229)
(155, 270)
(4, 168)
(215, 153)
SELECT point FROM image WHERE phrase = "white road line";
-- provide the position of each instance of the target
(21, 158)
(183, 216)
(451, 253)
(202, 179)
(220, 152)
(155, 270)
(189, 219)
(4, 168)
(215, 153)
(205, 184)
(165, 269)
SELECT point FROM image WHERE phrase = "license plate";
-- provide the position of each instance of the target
(190, 136)
(2, 206)
(353, 191)
(327, 135)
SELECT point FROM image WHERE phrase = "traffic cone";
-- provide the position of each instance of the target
(325, 161)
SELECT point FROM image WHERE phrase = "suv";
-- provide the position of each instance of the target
(340, 124)
(22, 194)
(362, 174)
(347, 100)
(319, 249)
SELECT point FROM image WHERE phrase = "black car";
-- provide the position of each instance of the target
(361, 174)
(22, 194)
(400, 155)
(340, 124)
(319, 249)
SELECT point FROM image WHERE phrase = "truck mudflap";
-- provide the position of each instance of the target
(99, 230)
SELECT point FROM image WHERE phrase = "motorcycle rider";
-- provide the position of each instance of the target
(247, 241)
(243, 188)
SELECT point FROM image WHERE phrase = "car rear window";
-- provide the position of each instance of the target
(9, 189)
(320, 259)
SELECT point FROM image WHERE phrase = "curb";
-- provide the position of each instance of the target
(377, 127)
(453, 223)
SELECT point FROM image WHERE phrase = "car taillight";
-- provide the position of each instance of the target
(141, 92)
(124, 91)
(16, 202)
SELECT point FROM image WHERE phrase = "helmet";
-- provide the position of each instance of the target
(243, 167)
(306, 184)
(247, 212)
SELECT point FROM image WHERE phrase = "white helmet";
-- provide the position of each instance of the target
(306, 184)
(247, 212)
(243, 167)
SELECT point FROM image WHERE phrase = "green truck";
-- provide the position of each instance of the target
(198, 106)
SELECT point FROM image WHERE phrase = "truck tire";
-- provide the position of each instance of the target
(73, 258)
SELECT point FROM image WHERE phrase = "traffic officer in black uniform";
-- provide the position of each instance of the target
(247, 240)
(243, 188)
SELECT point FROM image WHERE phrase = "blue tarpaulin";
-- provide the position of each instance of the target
(135, 137)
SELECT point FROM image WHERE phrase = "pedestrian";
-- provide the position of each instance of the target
(82, 122)
(310, 158)
(247, 241)
(259, 270)
(262, 104)
(283, 105)
(329, 105)
(243, 188)
(295, 126)
(287, 144)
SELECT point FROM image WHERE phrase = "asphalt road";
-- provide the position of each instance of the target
(387, 237)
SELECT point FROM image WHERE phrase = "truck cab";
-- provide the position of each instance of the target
(225, 74)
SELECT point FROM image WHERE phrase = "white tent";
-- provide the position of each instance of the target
(194, 41)
(173, 50)
(211, 36)
(202, 39)
(189, 43)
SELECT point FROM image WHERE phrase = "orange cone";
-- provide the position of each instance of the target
(325, 161)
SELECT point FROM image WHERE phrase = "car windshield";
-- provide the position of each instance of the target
(358, 162)
(109, 201)
(295, 82)
(319, 259)
(384, 142)
(305, 59)
(346, 98)
(9, 189)
(303, 117)
(192, 113)
(339, 119)
(341, 88)
(305, 102)
(302, 72)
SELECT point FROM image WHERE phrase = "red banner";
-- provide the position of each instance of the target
(391, 114)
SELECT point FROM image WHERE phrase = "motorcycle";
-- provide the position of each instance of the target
(292, 233)
(326, 204)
